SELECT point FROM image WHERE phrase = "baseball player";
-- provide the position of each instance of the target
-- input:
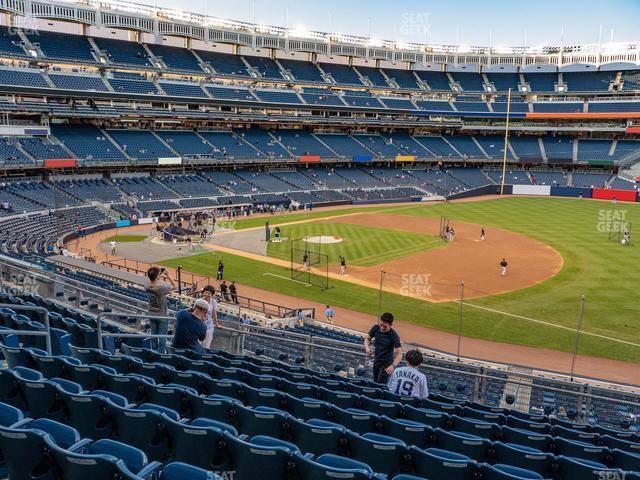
(305, 261)
(503, 267)
(482, 234)
(626, 237)
(113, 247)
(343, 265)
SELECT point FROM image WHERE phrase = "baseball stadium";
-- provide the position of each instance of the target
(230, 250)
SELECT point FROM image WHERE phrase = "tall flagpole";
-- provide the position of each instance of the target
(506, 143)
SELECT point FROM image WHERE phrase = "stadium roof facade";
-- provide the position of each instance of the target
(174, 22)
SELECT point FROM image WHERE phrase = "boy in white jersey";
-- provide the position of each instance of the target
(409, 381)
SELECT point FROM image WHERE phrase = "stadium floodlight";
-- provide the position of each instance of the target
(300, 32)
(374, 42)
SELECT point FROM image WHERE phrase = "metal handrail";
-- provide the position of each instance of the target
(520, 381)
(35, 333)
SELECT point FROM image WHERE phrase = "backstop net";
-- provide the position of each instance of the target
(308, 264)
(620, 231)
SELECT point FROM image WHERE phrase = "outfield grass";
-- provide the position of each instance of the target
(361, 246)
(602, 270)
(125, 238)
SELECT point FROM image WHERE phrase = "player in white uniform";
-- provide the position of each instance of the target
(409, 381)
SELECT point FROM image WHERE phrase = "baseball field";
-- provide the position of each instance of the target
(557, 249)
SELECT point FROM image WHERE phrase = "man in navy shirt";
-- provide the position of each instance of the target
(388, 348)
(191, 327)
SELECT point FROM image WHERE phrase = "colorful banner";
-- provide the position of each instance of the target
(611, 194)
(309, 159)
(60, 163)
(362, 159)
(405, 158)
(123, 223)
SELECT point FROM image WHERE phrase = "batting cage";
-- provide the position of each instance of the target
(620, 232)
(308, 264)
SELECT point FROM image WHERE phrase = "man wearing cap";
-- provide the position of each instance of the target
(191, 327)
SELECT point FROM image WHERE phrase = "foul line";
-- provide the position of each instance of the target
(549, 324)
(286, 278)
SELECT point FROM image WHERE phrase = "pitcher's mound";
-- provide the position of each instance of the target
(322, 239)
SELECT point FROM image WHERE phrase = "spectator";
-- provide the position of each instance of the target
(157, 292)
(329, 314)
(208, 294)
(388, 348)
(190, 326)
(224, 291)
(233, 290)
(409, 381)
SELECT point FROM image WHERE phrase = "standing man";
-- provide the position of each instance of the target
(113, 247)
(305, 261)
(220, 272)
(211, 320)
(157, 291)
(409, 381)
(388, 348)
(482, 234)
(233, 290)
(343, 265)
(329, 314)
(224, 291)
(503, 267)
(190, 326)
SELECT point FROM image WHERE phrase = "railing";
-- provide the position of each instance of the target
(34, 333)
(526, 389)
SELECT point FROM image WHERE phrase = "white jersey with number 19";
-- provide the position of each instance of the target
(408, 382)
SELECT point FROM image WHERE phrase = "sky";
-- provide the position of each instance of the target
(459, 22)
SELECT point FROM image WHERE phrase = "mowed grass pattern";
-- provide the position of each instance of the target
(603, 270)
(361, 246)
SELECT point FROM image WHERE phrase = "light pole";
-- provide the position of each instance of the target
(578, 331)
(382, 273)
(460, 319)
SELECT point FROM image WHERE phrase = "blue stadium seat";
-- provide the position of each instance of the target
(318, 437)
(412, 433)
(25, 448)
(523, 457)
(180, 471)
(585, 470)
(472, 446)
(103, 460)
(507, 472)
(197, 444)
(143, 429)
(436, 464)
(251, 460)
(383, 454)
(333, 466)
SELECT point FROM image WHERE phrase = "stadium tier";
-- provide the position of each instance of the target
(135, 137)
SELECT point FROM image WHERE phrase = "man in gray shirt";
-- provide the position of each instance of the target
(157, 291)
